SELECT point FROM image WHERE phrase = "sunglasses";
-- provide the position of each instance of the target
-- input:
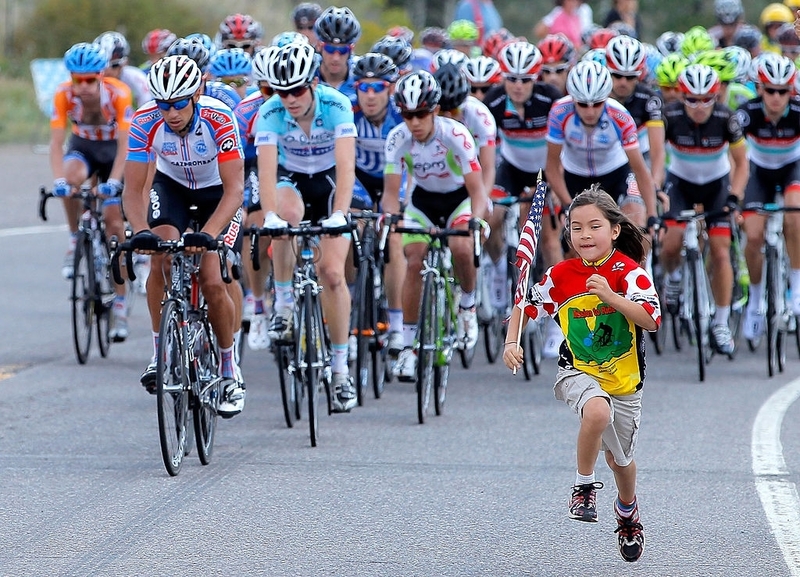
(476, 89)
(177, 104)
(117, 64)
(619, 76)
(409, 114)
(376, 87)
(336, 49)
(555, 69)
(695, 102)
(522, 79)
(244, 44)
(591, 104)
(91, 79)
(297, 91)
(301, 28)
(266, 90)
(781, 91)
(235, 82)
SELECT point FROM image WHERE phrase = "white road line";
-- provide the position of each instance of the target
(778, 495)
(23, 230)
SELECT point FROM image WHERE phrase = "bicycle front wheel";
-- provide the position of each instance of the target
(283, 355)
(699, 321)
(426, 329)
(363, 330)
(104, 300)
(172, 391)
(775, 288)
(444, 353)
(312, 357)
(83, 298)
(204, 406)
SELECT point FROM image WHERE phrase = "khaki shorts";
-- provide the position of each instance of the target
(620, 436)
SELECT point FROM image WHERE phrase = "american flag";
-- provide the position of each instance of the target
(529, 238)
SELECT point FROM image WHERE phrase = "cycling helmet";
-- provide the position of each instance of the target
(288, 37)
(742, 59)
(454, 86)
(556, 48)
(728, 11)
(442, 57)
(240, 27)
(115, 45)
(776, 13)
(722, 63)
(520, 58)
(205, 40)
(231, 62)
(396, 48)
(589, 82)
(193, 48)
(624, 29)
(305, 14)
(157, 41)
(625, 55)
(463, 31)
(775, 69)
(434, 36)
(295, 65)
(174, 77)
(748, 37)
(403, 32)
(670, 68)
(652, 58)
(595, 55)
(669, 42)
(375, 65)
(787, 38)
(697, 39)
(495, 41)
(697, 79)
(600, 37)
(86, 58)
(261, 61)
(338, 26)
(417, 91)
(483, 70)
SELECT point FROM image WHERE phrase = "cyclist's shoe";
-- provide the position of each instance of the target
(344, 393)
(406, 367)
(468, 327)
(672, 294)
(395, 343)
(258, 336)
(281, 328)
(352, 348)
(68, 268)
(553, 341)
(149, 376)
(233, 396)
(722, 339)
(754, 324)
(583, 504)
(630, 535)
(119, 332)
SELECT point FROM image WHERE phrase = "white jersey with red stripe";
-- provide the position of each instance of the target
(592, 151)
(193, 159)
(476, 116)
(440, 163)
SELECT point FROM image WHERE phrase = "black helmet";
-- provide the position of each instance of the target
(398, 49)
(305, 14)
(454, 85)
(375, 65)
(417, 91)
(193, 48)
(338, 26)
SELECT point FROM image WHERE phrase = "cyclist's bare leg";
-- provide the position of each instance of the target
(721, 269)
(236, 295)
(412, 288)
(257, 279)
(670, 254)
(791, 228)
(463, 265)
(394, 274)
(495, 245)
(635, 211)
(550, 241)
(754, 225)
(335, 296)
(159, 271)
(221, 308)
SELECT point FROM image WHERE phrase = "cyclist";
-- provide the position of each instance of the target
(483, 72)
(396, 48)
(304, 15)
(669, 42)
(338, 30)
(118, 49)
(99, 110)
(195, 48)
(558, 55)
(771, 123)
(696, 40)
(667, 73)
(432, 40)
(194, 141)
(463, 36)
(772, 17)
(155, 45)
(232, 66)
(730, 16)
(701, 135)
(306, 142)
(442, 158)
(240, 31)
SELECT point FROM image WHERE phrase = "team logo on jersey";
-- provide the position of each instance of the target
(733, 124)
(617, 266)
(169, 149)
(200, 147)
(228, 144)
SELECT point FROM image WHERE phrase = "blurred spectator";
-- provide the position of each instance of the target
(627, 12)
(569, 17)
(483, 13)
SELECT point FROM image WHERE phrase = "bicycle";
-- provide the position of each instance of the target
(436, 329)
(304, 363)
(92, 294)
(187, 357)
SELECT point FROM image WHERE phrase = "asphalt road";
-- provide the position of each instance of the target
(481, 490)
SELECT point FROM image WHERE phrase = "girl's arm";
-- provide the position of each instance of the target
(512, 350)
(598, 285)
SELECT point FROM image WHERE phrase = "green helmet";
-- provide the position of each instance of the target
(697, 39)
(668, 69)
(463, 31)
(721, 61)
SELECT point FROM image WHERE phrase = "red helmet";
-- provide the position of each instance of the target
(556, 48)
(157, 41)
(600, 37)
(495, 41)
(240, 27)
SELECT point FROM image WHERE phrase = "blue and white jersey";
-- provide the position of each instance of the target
(298, 151)
(224, 93)
(371, 140)
(246, 113)
(348, 87)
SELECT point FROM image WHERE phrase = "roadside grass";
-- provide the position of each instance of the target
(21, 121)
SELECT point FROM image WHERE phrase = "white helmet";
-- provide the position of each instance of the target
(261, 61)
(775, 69)
(520, 58)
(417, 91)
(625, 55)
(698, 79)
(589, 82)
(482, 70)
(448, 56)
(294, 65)
(174, 77)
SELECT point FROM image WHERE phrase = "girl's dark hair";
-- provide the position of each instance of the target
(631, 240)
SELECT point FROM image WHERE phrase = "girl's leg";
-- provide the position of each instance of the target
(625, 478)
(594, 420)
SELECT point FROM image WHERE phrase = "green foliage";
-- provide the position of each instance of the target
(21, 121)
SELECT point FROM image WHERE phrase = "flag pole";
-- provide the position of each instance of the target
(521, 317)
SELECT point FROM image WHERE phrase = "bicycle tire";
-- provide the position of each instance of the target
(444, 352)
(493, 337)
(105, 302)
(738, 300)
(363, 327)
(426, 328)
(311, 358)
(172, 390)
(693, 260)
(659, 336)
(82, 296)
(204, 405)
(773, 290)
(536, 345)
(378, 341)
(287, 383)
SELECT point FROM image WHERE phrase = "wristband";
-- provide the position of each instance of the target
(509, 343)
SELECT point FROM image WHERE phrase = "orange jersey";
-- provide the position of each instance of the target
(116, 108)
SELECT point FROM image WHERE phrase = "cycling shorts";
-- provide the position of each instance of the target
(97, 155)
(315, 190)
(436, 209)
(615, 183)
(764, 183)
(252, 198)
(683, 195)
(510, 180)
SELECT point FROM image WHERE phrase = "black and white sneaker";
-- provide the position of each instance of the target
(630, 535)
(583, 503)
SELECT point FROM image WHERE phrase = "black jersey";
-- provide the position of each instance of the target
(772, 145)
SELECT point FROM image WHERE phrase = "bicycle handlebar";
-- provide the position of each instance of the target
(303, 229)
(85, 193)
(474, 230)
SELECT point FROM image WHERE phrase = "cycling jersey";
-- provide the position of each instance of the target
(645, 107)
(598, 151)
(348, 87)
(223, 93)
(192, 160)
(475, 115)
(246, 113)
(301, 152)
(136, 80)
(115, 111)
(439, 164)
(523, 139)
(771, 145)
(371, 140)
(599, 340)
(699, 153)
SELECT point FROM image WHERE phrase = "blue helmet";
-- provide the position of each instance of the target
(231, 62)
(86, 58)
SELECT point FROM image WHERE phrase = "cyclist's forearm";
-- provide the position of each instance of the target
(391, 193)
(57, 153)
(740, 173)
